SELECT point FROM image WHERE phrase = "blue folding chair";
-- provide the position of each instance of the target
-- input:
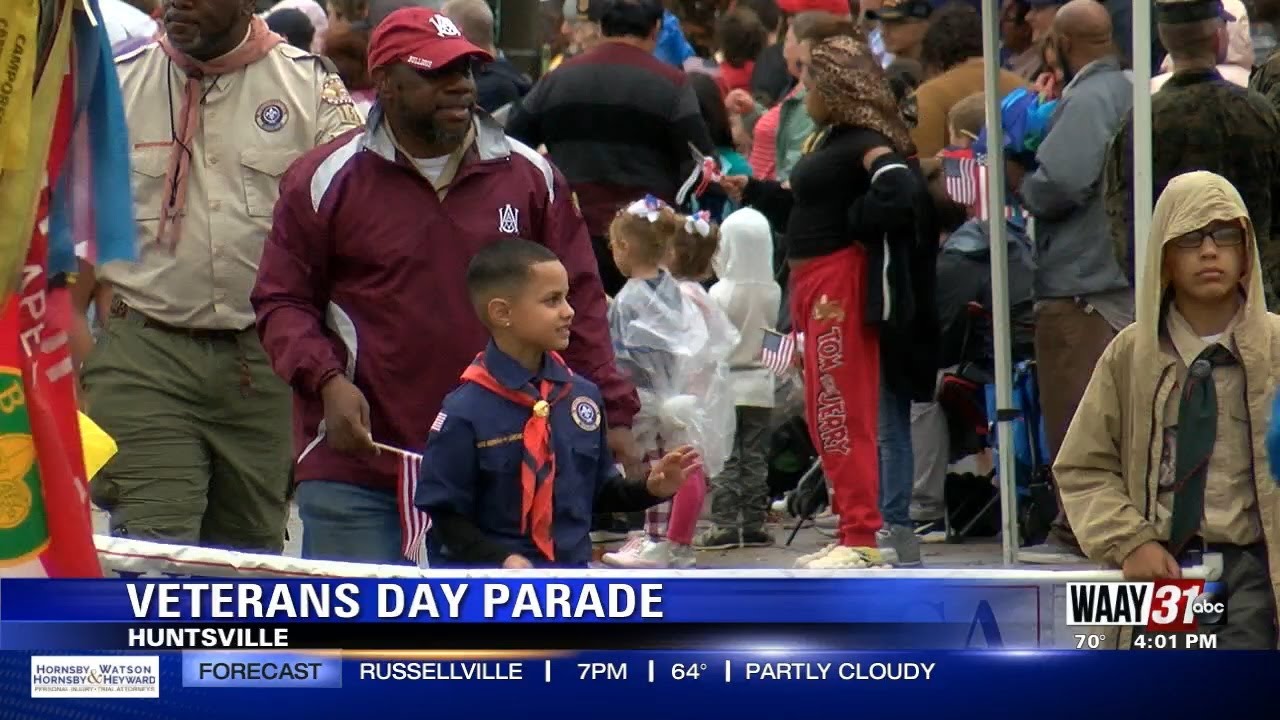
(1033, 474)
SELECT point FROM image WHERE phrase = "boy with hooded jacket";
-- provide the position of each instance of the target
(1167, 453)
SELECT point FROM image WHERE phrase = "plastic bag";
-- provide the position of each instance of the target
(674, 343)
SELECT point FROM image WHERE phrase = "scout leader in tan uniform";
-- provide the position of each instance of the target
(1167, 452)
(217, 109)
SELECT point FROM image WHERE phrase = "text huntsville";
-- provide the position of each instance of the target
(247, 601)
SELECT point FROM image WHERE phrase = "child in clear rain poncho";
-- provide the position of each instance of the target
(674, 343)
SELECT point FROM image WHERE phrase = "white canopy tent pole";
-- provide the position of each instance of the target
(1142, 158)
(1000, 282)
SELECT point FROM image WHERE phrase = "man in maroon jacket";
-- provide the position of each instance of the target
(360, 298)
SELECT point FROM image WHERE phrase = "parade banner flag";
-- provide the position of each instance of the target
(19, 188)
(45, 526)
(92, 215)
(19, 21)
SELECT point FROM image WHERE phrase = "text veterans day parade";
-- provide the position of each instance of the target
(207, 600)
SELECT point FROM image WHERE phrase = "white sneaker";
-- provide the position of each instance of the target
(855, 558)
(632, 540)
(646, 554)
(806, 560)
(683, 557)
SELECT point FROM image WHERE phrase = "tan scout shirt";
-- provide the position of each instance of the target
(1230, 500)
(253, 124)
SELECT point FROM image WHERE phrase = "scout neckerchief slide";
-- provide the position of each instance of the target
(414, 523)
(538, 471)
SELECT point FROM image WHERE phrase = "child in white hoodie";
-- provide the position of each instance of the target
(750, 296)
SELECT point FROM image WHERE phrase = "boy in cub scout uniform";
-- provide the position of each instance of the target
(217, 110)
(518, 458)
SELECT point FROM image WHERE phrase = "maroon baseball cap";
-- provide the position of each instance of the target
(421, 38)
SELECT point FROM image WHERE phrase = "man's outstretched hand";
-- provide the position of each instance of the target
(668, 475)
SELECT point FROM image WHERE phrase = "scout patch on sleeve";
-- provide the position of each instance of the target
(439, 422)
(586, 414)
(333, 92)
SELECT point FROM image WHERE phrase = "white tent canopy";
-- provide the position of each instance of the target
(1142, 202)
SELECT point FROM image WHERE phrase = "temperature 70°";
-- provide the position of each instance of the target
(691, 671)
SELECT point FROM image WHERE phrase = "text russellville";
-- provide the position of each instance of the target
(210, 638)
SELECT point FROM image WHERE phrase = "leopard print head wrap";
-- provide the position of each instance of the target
(855, 91)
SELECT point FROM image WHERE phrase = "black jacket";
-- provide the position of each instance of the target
(499, 83)
(769, 78)
(893, 216)
(964, 277)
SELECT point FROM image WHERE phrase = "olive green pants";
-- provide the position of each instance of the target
(203, 427)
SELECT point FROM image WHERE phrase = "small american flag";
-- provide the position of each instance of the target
(960, 172)
(966, 180)
(413, 522)
(777, 351)
(438, 423)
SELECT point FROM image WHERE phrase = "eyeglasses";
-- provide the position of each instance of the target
(1224, 236)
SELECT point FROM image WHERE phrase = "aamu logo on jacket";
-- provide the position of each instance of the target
(509, 220)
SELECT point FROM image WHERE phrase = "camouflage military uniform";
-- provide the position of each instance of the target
(1266, 80)
(1201, 122)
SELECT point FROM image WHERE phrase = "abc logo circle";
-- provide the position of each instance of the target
(1209, 608)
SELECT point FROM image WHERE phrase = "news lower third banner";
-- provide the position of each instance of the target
(627, 613)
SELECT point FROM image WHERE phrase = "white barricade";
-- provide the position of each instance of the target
(1040, 586)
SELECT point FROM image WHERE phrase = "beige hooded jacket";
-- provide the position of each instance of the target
(1108, 467)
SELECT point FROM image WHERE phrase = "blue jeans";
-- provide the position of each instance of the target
(897, 465)
(342, 521)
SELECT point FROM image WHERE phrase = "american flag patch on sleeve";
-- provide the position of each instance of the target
(438, 422)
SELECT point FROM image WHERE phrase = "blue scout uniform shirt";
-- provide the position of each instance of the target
(472, 462)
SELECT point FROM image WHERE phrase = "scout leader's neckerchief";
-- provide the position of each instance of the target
(538, 471)
(257, 44)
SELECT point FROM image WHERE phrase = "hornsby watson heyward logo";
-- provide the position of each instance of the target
(95, 676)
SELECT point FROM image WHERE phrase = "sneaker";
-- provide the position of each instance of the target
(647, 554)
(758, 537)
(682, 556)
(932, 531)
(717, 538)
(855, 558)
(826, 520)
(779, 506)
(1051, 552)
(902, 540)
(805, 561)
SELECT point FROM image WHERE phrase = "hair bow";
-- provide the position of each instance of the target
(699, 222)
(648, 207)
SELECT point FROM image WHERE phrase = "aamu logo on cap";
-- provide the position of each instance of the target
(445, 27)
